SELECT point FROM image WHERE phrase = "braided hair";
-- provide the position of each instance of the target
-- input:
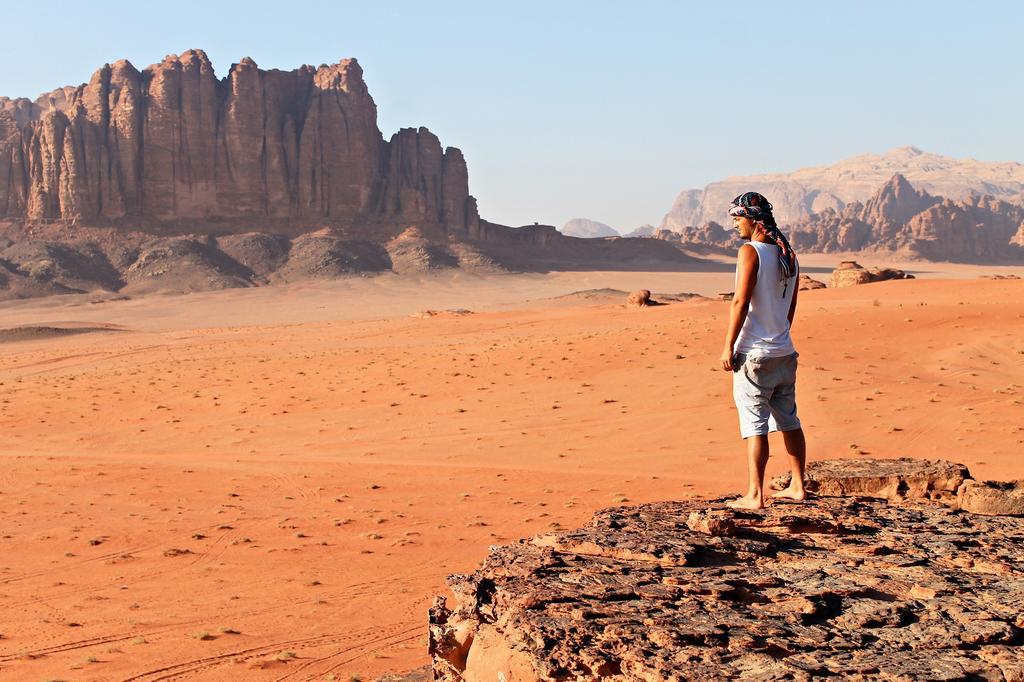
(754, 206)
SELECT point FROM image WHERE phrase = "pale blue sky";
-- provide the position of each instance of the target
(602, 110)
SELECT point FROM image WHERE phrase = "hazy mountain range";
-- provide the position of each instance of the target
(798, 194)
(582, 227)
(897, 217)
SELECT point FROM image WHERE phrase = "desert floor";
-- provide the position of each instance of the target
(271, 484)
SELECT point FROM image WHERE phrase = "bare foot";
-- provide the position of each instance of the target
(791, 493)
(746, 502)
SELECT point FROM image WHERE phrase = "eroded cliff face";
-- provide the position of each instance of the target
(171, 179)
(174, 146)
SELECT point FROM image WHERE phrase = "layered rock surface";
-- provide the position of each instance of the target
(838, 586)
(903, 478)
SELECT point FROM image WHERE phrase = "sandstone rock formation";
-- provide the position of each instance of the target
(898, 217)
(807, 282)
(801, 193)
(639, 299)
(173, 179)
(587, 229)
(173, 144)
(835, 587)
(850, 273)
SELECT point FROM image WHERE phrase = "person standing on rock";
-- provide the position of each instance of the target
(758, 348)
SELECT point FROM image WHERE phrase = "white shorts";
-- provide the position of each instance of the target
(765, 393)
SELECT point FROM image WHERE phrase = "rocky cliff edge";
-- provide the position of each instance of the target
(853, 586)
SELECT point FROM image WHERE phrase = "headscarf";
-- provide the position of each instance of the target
(754, 206)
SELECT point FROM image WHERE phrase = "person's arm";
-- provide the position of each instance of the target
(746, 278)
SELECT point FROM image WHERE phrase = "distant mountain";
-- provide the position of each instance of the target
(896, 217)
(645, 230)
(581, 227)
(801, 193)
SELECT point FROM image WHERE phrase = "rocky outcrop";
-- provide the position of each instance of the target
(898, 217)
(889, 208)
(979, 228)
(640, 298)
(587, 229)
(798, 195)
(841, 587)
(807, 282)
(998, 498)
(850, 273)
(890, 479)
(175, 147)
(912, 479)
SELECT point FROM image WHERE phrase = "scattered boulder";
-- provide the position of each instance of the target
(994, 498)
(850, 273)
(806, 282)
(639, 299)
(844, 587)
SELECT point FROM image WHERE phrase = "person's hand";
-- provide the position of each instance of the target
(727, 359)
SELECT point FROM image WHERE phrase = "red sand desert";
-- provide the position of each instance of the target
(272, 484)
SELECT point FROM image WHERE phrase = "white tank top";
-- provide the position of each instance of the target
(765, 332)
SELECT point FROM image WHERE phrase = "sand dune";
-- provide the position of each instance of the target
(271, 484)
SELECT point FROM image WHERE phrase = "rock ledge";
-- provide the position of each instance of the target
(839, 586)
